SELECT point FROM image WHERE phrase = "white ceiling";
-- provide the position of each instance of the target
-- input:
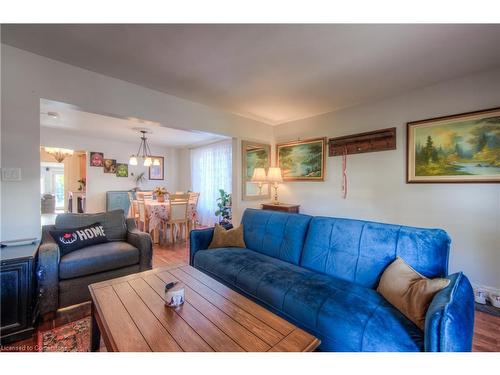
(272, 73)
(77, 122)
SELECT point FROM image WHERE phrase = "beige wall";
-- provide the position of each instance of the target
(27, 77)
(98, 182)
(470, 213)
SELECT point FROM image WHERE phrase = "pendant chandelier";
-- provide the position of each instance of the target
(144, 153)
(58, 153)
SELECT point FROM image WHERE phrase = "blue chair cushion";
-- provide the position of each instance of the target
(277, 234)
(345, 316)
(98, 258)
(359, 251)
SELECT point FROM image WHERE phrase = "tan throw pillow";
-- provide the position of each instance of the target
(410, 292)
(227, 238)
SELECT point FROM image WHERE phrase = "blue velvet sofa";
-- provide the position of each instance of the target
(321, 274)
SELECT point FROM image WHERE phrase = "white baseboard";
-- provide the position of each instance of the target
(487, 289)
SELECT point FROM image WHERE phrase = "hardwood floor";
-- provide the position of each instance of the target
(486, 328)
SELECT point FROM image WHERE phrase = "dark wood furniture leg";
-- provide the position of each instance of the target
(95, 341)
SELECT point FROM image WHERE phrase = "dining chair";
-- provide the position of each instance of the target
(178, 218)
(134, 209)
(142, 195)
(143, 217)
(193, 203)
(179, 197)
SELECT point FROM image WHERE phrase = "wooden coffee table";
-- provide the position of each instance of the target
(130, 314)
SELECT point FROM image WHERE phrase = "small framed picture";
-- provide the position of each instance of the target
(96, 159)
(109, 166)
(121, 170)
(156, 171)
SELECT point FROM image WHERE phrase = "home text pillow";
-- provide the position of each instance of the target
(227, 238)
(408, 291)
(72, 239)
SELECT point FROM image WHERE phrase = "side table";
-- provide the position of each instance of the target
(283, 207)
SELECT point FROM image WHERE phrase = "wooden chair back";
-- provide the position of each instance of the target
(135, 208)
(179, 211)
(179, 197)
(142, 211)
(142, 195)
(193, 198)
(131, 202)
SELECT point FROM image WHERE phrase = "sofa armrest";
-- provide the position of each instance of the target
(449, 322)
(47, 272)
(141, 241)
(199, 239)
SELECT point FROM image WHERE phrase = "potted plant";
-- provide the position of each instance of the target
(139, 179)
(160, 193)
(224, 208)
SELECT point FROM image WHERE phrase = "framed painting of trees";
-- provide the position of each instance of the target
(302, 160)
(458, 148)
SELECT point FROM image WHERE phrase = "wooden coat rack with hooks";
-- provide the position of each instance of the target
(378, 140)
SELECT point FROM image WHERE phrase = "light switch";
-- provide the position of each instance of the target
(11, 174)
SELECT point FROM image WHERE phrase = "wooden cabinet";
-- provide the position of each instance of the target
(283, 207)
(17, 274)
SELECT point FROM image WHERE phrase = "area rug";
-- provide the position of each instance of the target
(71, 337)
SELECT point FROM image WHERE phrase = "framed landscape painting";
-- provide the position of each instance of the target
(302, 160)
(459, 148)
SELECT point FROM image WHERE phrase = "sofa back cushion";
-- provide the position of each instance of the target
(113, 223)
(359, 251)
(277, 234)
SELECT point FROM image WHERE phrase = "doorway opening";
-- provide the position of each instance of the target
(62, 182)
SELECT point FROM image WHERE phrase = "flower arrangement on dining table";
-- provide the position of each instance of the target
(160, 193)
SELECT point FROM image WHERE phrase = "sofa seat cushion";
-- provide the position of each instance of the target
(350, 317)
(97, 258)
(345, 316)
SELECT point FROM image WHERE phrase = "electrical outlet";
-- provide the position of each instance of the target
(11, 174)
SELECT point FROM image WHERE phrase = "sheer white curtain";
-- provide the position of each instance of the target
(211, 170)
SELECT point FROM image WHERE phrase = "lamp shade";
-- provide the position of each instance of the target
(132, 160)
(259, 175)
(274, 175)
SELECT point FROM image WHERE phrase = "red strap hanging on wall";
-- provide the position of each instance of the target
(344, 173)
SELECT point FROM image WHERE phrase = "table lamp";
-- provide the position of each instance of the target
(274, 176)
(259, 176)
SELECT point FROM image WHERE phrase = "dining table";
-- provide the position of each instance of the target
(158, 212)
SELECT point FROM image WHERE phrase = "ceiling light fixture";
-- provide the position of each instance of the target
(143, 153)
(58, 153)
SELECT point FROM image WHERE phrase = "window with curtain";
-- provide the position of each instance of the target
(211, 170)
